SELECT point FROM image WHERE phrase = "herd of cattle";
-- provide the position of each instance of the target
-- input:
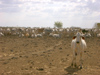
(52, 32)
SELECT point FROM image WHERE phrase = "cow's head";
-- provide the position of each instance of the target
(78, 37)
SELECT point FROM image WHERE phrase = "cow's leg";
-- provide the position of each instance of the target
(75, 52)
(81, 60)
(74, 59)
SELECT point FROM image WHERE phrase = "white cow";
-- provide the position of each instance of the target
(32, 35)
(78, 45)
(87, 35)
(21, 35)
(35, 35)
(38, 35)
(55, 35)
(98, 35)
(50, 34)
(1, 34)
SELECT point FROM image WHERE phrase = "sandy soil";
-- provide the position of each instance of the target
(46, 56)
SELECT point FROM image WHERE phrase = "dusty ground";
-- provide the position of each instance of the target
(46, 56)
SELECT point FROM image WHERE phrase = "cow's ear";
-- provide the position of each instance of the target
(74, 37)
(83, 38)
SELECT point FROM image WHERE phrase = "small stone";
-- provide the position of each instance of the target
(60, 48)
(84, 51)
(20, 56)
(11, 50)
(40, 69)
(30, 66)
(67, 54)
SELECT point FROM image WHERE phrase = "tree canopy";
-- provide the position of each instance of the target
(58, 24)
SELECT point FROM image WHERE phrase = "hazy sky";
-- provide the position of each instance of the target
(43, 13)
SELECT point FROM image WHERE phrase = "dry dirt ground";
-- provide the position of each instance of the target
(46, 56)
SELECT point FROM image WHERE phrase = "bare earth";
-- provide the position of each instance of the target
(46, 56)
